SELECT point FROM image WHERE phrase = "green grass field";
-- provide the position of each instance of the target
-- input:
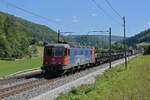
(117, 83)
(10, 67)
(142, 44)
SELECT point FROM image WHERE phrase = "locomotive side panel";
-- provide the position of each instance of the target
(80, 55)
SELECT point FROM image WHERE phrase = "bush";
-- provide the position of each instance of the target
(32, 51)
(147, 50)
(74, 90)
(97, 49)
(90, 89)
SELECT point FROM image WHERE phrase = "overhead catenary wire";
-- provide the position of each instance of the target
(31, 13)
(37, 15)
(113, 8)
(107, 14)
(34, 14)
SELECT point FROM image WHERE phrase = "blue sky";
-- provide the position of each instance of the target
(81, 16)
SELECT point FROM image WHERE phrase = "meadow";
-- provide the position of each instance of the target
(117, 83)
(10, 67)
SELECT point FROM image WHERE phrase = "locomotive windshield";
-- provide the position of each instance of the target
(48, 52)
(59, 51)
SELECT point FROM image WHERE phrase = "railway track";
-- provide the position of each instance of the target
(17, 78)
(6, 92)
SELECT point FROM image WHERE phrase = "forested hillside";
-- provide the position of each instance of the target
(113, 38)
(99, 40)
(92, 40)
(16, 34)
(41, 32)
(14, 41)
(139, 38)
(33, 29)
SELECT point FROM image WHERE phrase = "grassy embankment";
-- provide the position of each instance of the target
(117, 83)
(142, 44)
(10, 67)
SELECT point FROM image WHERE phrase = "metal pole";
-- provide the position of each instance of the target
(110, 47)
(44, 37)
(124, 25)
(58, 35)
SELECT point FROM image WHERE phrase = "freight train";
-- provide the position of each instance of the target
(62, 58)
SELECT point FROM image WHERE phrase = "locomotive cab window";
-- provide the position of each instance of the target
(59, 51)
(65, 51)
(68, 52)
(48, 52)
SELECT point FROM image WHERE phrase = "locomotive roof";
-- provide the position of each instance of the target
(58, 45)
(68, 45)
(78, 45)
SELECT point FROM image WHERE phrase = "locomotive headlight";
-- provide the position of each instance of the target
(53, 59)
(59, 63)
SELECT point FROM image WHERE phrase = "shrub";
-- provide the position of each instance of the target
(74, 90)
(147, 50)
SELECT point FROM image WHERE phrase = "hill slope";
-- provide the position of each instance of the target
(100, 40)
(33, 29)
(16, 34)
(13, 37)
(139, 38)
(114, 38)
(92, 40)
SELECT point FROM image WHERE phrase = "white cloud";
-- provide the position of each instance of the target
(57, 20)
(148, 23)
(75, 20)
(75, 17)
(93, 14)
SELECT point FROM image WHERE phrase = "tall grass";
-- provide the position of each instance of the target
(117, 83)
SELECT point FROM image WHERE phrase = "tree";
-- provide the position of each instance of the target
(147, 50)
(118, 47)
(5, 49)
(97, 49)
